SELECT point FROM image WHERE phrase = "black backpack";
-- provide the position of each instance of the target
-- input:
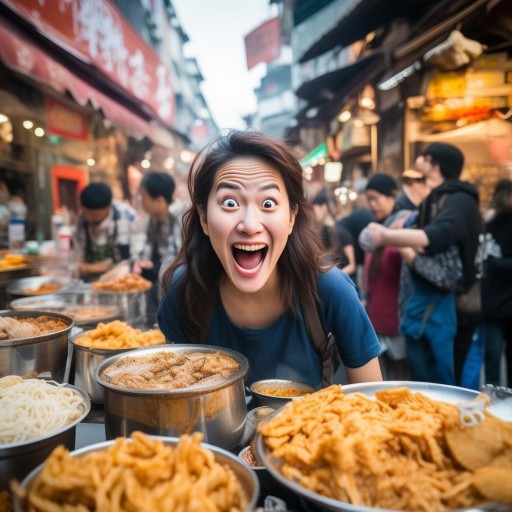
(323, 341)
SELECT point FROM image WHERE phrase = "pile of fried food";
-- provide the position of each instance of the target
(44, 288)
(126, 283)
(118, 335)
(400, 450)
(12, 328)
(141, 474)
(13, 261)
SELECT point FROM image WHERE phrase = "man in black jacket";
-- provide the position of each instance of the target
(449, 215)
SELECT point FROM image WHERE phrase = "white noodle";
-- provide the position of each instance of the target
(32, 408)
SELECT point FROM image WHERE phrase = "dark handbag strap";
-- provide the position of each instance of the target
(323, 341)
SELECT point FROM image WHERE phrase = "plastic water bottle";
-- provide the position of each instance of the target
(16, 234)
(65, 244)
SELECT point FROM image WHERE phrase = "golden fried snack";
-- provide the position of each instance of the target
(389, 452)
(118, 335)
(141, 475)
(124, 283)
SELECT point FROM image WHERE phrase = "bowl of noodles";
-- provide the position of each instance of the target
(391, 446)
(143, 473)
(36, 417)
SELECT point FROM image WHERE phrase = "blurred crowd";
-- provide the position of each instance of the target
(433, 272)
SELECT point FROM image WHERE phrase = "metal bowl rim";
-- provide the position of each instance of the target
(35, 339)
(177, 392)
(16, 286)
(173, 441)
(54, 433)
(284, 382)
(331, 503)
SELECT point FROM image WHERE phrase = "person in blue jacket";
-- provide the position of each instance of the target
(251, 258)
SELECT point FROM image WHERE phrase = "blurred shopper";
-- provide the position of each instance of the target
(334, 236)
(414, 190)
(382, 281)
(103, 230)
(449, 216)
(354, 223)
(497, 285)
(163, 236)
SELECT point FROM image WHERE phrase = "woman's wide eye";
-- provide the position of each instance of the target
(269, 203)
(229, 203)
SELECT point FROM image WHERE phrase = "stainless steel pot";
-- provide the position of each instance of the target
(18, 459)
(21, 287)
(243, 473)
(218, 409)
(43, 356)
(85, 360)
(64, 302)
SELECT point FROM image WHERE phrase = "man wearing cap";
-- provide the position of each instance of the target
(103, 231)
(449, 215)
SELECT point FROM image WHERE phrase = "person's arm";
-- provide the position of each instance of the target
(370, 372)
(350, 267)
(376, 235)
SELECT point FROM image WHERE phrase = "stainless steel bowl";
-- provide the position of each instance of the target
(261, 396)
(243, 473)
(22, 287)
(63, 303)
(218, 409)
(440, 392)
(18, 459)
(85, 360)
(43, 356)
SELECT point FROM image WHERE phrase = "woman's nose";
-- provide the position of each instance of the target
(250, 221)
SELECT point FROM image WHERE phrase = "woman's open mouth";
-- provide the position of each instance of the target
(247, 257)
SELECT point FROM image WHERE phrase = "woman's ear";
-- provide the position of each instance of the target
(293, 215)
(202, 219)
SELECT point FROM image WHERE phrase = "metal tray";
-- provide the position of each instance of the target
(440, 392)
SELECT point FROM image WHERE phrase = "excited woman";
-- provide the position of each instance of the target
(251, 274)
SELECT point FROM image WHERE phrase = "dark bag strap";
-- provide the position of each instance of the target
(323, 340)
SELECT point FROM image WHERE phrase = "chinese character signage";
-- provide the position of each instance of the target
(97, 33)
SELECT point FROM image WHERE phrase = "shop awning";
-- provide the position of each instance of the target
(331, 83)
(20, 55)
(315, 155)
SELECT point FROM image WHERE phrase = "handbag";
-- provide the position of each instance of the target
(471, 301)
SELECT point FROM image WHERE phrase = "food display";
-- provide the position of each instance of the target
(43, 288)
(127, 283)
(85, 313)
(282, 391)
(13, 261)
(399, 450)
(167, 370)
(143, 473)
(118, 335)
(33, 408)
(12, 328)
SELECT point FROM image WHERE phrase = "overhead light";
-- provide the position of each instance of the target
(332, 172)
(3, 118)
(91, 162)
(344, 116)
(367, 97)
(399, 77)
(145, 164)
(27, 124)
(169, 162)
(187, 156)
(38, 132)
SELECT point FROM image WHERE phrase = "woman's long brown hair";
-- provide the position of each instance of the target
(303, 257)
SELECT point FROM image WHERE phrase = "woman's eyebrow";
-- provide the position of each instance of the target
(230, 186)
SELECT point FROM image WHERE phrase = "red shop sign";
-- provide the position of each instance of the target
(97, 33)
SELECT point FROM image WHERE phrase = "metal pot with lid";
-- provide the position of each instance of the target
(140, 393)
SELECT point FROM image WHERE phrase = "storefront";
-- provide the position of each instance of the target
(471, 109)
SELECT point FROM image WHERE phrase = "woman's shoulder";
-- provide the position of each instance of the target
(334, 281)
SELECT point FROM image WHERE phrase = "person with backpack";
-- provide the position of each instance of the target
(252, 274)
(449, 217)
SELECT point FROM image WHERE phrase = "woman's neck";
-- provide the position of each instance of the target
(253, 310)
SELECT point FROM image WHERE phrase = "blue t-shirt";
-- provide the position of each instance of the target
(284, 349)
